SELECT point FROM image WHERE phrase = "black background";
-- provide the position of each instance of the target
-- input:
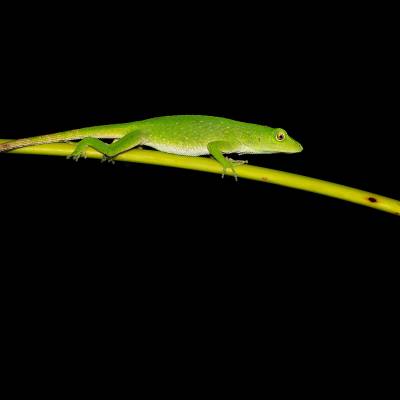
(180, 245)
(333, 98)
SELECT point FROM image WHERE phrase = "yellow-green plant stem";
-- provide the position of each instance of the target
(244, 171)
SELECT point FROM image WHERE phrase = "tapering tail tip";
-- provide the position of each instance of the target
(5, 147)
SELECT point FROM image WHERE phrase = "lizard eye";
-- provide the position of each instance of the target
(280, 136)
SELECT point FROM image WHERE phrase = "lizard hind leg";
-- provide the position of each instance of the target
(127, 142)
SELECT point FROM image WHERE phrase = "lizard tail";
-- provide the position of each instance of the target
(101, 132)
(44, 139)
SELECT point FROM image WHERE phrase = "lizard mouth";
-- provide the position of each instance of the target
(300, 148)
(296, 147)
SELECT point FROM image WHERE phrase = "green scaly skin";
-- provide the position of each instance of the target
(191, 135)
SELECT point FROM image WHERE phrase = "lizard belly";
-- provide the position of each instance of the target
(181, 150)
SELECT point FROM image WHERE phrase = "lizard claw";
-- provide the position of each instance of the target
(237, 162)
(76, 156)
(233, 171)
(108, 159)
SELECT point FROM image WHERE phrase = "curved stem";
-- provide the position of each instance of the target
(244, 171)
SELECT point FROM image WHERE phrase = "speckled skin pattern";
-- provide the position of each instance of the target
(191, 134)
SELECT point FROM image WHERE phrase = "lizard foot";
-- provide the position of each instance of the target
(77, 155)
(108, 159)
(234, 173)
(237, 162)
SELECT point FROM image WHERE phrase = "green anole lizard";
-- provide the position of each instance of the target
(192, 135)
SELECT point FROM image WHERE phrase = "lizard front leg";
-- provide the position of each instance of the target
(217, 148)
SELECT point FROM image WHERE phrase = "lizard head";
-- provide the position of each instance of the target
(278, 141)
